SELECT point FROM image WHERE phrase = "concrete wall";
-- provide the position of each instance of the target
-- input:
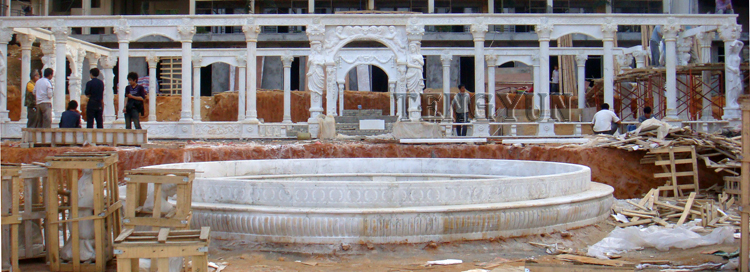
(434, 72)
(273, 74)
(219, 77)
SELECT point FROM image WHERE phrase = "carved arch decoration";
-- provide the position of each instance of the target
(208, 60)
(350, 58)
(169, 32)
(393, 37)
(525, 59)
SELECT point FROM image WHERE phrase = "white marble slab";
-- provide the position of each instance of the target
(371, 124)
(444, 141)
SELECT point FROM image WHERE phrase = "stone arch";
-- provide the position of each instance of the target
(525, 59)
(594, 31)
(349, 59)
(137, 33)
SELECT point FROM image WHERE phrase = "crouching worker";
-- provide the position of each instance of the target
(71, 118)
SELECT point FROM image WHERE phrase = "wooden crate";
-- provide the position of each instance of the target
(161, 245)
(10, 217)
(78, 136)
(64, 172)
(137, 189)
(683, 155)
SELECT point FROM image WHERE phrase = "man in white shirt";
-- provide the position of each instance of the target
(555, 86)
(43, 91)
(603, 120)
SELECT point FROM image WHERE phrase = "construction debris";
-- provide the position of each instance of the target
(717, 152)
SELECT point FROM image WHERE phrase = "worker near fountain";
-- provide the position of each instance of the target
(603, 121)
(71, 118)
(95, 93)
(134, 107)
(30, 101)
(43, 92)
(460, 106)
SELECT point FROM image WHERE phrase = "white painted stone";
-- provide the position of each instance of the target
(444, 141)
(372, 124)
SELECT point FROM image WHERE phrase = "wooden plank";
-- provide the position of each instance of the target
(124, 235)
(688, 205)
(680, 161)
(677, 174)
(635, 223)
(163, 264)
(163, 233)
(589, 260)
(205, 231)
(200, 263)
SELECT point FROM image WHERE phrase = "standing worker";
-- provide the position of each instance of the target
(134, 107)
(655, 40)
(30, 101)
(555, 84)
(603, 120)
(460, 107)
(43, 92)
(95, 93)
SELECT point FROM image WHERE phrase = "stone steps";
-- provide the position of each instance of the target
(348, 124)
(355, 119)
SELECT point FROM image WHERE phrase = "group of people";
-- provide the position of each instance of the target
(38, 102)
(604, 119)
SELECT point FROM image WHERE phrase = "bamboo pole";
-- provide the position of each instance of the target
(745, 187)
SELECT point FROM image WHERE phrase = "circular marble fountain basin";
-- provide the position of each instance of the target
(392, 200)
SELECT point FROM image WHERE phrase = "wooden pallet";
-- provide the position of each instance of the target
(64, 172)
(161, 245)
(682, 155)
(137, 187)
(10, 217)
(78, 136)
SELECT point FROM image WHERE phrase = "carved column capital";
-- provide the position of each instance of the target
(490, 60)
(446, 58)
(609, 30)
(123, 31)
(48, 47)
(109, 62)
(581, 59)
(197, 60)
(729, 32)
(241, 61)
(26, 41)
(479, 30)
(186, 30)
(414, 29)
(544, 31)
(287, 59)
(61, 33)
(670, 31)
(152, 60)
(251, 32)
(315, 31)
(705, 38)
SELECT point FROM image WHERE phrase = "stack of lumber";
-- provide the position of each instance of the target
(717, 152)
(675, 211)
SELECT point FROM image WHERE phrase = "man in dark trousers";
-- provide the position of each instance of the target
(95, 93)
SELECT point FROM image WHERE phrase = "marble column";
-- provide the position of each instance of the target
(609, 31)
(544, 31)
(491, 59)
(58, 99)
(670, 37)
(341, 98)
(26, 43)
(537, 83)
(6, 34)
(108, 63)
(705, 39)
(186, 31)
(392, 92)
(331, 89)
(48, 57)
(311, 6)
(76, 75)
(478, 31)
(152, 60)
(197, 59)
(242, 82)
(123, 39)
(446, 59)
(286, 61)
(251, 38)
(730, 34)
(581, 64)
(640, 58)
(430, 6)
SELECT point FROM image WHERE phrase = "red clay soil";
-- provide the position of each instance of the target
(618, 168)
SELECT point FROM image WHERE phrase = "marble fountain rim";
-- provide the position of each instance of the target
(596, 191)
